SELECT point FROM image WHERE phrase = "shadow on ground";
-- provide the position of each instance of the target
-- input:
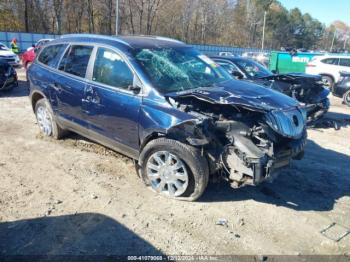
(332, 120)
(20, 91)
(312, 184)
(80, 234)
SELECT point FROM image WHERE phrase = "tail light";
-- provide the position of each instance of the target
(310, 65)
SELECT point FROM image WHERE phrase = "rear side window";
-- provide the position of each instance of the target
(228, 66)
(344, 62)
(331, 61)
(51, 54)
(111, 69)
(76, 59)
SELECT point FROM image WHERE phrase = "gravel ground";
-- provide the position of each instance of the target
(76, 197)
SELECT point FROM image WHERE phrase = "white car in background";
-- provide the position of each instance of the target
(8, 56)
(329, 67)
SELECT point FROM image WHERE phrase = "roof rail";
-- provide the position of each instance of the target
(169, 39)
(114, 38)
(157, 37)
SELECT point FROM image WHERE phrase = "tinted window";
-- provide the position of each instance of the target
(252, 68)
(331, 61)
(344, 62)
(110, 69)
(75, 60)
(228, 66)
(50, 55)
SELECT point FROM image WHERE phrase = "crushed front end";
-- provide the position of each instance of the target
(258, 152)
(246, 144)
(307, 89)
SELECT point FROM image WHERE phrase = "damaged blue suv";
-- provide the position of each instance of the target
(176, 112)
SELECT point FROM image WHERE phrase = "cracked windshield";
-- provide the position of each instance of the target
(173, 70)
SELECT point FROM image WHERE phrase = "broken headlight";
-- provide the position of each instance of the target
(289, 123)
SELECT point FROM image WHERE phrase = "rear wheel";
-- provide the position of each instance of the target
(174, 169)
(46, 121)
(328, 81)
(346, 98)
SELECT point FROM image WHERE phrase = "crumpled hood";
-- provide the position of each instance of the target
(240, 93)
(293, 75)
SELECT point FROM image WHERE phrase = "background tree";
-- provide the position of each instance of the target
(224, 22)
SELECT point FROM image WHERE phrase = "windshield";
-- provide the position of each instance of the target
(179, 69)
(253, 69)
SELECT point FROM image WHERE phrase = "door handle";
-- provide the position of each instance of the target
(56, 87)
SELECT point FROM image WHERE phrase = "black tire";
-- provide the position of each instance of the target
(346, 98)
(328, 81)
(196, 165)
(56, 131)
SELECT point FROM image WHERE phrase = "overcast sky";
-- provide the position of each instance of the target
(326, 11)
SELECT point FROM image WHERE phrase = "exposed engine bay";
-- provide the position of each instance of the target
(248, 144)
(308, 89)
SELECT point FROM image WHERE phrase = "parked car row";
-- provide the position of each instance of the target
(6, 55)
(333, 69)
(176, 112)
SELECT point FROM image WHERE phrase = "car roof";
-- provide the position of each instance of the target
(45, 39)
(332, 56)
(124, 42)
(231, 58)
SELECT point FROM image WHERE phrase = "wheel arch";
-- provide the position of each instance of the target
(329, 75)
(35, 97)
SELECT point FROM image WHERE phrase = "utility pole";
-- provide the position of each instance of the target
(335, 31)
(345, 42)
(263, 36)
(116, 16)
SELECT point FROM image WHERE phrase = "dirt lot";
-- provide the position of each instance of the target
(76, 197)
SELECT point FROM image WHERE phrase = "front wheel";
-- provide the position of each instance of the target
(346, 98)
(174, 169)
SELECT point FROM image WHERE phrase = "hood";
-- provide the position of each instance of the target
(240, 93)
(292, 76)
(7, 53)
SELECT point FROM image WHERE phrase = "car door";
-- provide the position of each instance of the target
(70, 84)
(329, 66)
(111, 109)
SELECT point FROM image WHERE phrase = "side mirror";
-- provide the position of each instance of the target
(135, 89)
(237, 74)
(274, 72)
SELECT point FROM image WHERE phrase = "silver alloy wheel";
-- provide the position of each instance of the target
(167, 174)
(326, 81)
(347, 98)
(44, 120)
